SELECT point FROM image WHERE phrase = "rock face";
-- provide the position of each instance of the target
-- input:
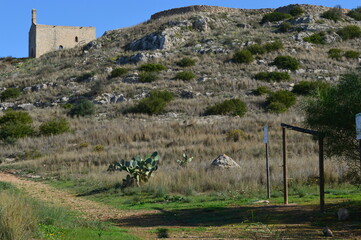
(152, 41)
(224, 162)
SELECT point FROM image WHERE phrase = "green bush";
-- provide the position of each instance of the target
(355, 13)
(243, 56)
(280, 101)
(186, 62)
(349, 32)
(152, 67)
(10, 93)
(235, 135)
(147, 77)
(352, 54)
(273, 46)
(335, 53)
(285, 27)
(118, 72)
(54, 127)
(233, 107)
(82, 108)
(309, 88)
(256, 49)
(334, 14)
(261, 90)
(185, 76)
(297, 11)
(15, 125)
(286, 62)
(272, 76)
(85, 76)
(275, 17)
(154, 104)
(316, 38)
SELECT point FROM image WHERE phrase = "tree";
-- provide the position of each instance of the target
(333, 113)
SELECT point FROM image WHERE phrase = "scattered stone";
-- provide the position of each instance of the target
(139, 57)
(26, 106)
(92, 45)
(342, 214)
(327, 232)
(224, 162)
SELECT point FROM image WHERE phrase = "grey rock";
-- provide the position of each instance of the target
(152, 41)
(224, 162)
(139, 57)
(92, 45)
(327, 232)
(6, 105)
(26, 106)
(342, 214)
(201, 24)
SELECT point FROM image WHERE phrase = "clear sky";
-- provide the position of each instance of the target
(15, 15)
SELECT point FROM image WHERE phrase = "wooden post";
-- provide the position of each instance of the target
(285, 180)
(322, 175)
(360, 151)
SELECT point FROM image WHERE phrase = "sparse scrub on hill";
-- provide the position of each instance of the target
(349, 32)
(82, 108)
(54, 127)
(15, 125)
(85, 77)
(275, 17)
(335, 53)
(280, 101)
(273, 46)
(316, 38)
(261, 90)
(334, 14)
(148, 77)
(256, 49)
(297, 11)
(235, 135)
(286, 62)
(154, 104)
(352, 54)
(285, 27)
(10, 93)
(309, 88)
(232, 107)
(185, 76)
(355, 13)
(243, 56)
(118, 72)
(273, 76)
(186, 62)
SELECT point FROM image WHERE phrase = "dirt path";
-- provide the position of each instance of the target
(61, 198)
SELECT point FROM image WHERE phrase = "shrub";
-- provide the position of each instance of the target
(285, 27)
(54, 127)
(286, 62)
(235, 135)
(186, 62)
(316, 38)
(280, 101)
(256, 49)
(335, 53)
(98, 148)
(273, 46)
(15, 125)
(334, 14)
(85, 76)
(243, 56)
(261, 90)
(233, 107)
(297, 11)
(308, 88)
(355, 13)
(352, 54)
(10, 93)
(154, 104)
(273, 76)
(118, 72)
(349, 32)
(185, 76)
(275, 17)
(152, 67)
(147, 77)
(83, 108)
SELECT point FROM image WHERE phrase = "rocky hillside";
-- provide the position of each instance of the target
(209, 35)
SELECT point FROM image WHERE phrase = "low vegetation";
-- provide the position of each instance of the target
(316, 38)
(232, 107)
(243, 56)
(185, 76)
(275, 17)
(309, 88)
(118, 72)
(273, 76)
(186, 62)
(355, 13)
(54, 127)
(152, 67)
(349, 32)
(82, 108)
(334, 14)
(280, 101)
(10, 93)
(286, 62)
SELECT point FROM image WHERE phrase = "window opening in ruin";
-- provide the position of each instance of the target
(61, 47)
(76, 39)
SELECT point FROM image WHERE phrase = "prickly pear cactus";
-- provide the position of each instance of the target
(139, 170)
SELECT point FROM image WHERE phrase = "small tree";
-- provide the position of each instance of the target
(333, 112)
(297, 11)
(186, 62)
(334, 14)
(275, 17)
(118, 72)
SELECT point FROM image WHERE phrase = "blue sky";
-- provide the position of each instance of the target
(15, 17)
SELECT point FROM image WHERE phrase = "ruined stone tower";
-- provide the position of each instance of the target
(48, 38)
